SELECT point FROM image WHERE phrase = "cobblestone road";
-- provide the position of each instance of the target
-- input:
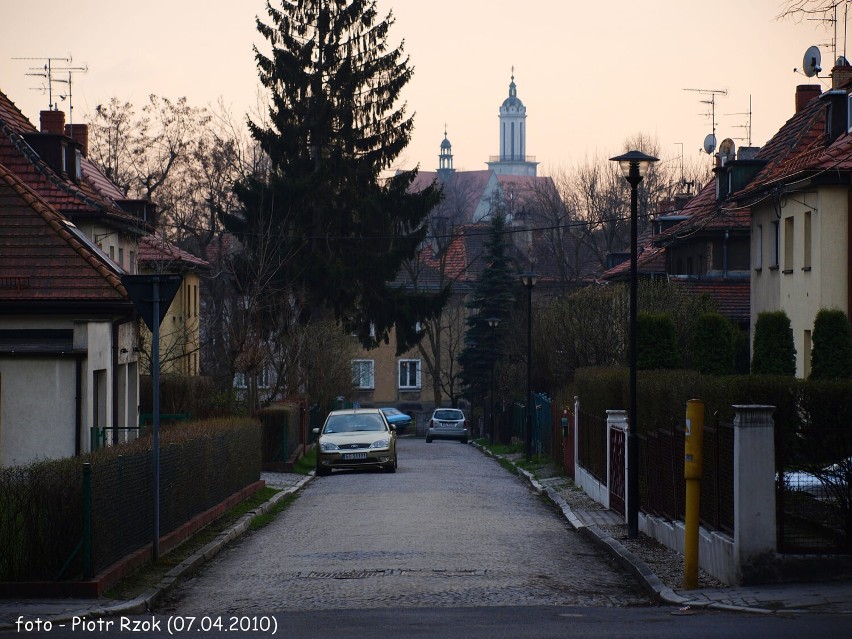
(450, 528)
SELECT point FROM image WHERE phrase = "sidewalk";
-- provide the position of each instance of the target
(661, 569)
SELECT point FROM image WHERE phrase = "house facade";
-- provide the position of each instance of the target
(800, 206)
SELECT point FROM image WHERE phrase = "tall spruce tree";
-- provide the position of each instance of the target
(493, 296)
(341, 232)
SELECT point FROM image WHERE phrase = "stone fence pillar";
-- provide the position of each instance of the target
(754, 487)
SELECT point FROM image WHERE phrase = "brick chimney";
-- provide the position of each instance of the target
(805, 93)
(841, 75)
(53, 122)
(80, 134)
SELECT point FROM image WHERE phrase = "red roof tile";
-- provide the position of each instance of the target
(43, 259)
(155, 249)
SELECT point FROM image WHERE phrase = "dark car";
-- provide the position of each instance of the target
(447, 423)
(397, 418)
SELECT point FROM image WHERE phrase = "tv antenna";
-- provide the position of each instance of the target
(49, 72)
(747, 125)
(710, 140)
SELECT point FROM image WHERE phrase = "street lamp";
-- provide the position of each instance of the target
(529, 279)
(492, 324)
(634, 166)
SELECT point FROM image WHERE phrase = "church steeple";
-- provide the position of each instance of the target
(445, 158)
(513, 158)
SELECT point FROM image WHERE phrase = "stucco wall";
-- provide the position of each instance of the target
(36, 409)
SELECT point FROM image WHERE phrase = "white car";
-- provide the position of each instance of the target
(447, 423)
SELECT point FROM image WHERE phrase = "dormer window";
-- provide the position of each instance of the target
(63, 166)
(78, 165)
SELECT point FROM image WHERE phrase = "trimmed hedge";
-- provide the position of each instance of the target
(774, 352)
(832, 346)
(656, 344)
(714, 352)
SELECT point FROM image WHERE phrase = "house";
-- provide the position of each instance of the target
(181, 328)
(799, 199)
(67, 333)
(67, 326)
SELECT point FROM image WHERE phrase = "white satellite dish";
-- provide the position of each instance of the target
(811, 62)
(727, 150)
(709, 143)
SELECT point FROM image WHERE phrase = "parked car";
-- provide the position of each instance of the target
(397, 418)
(447, 423)
(825, 483)
(356, 438)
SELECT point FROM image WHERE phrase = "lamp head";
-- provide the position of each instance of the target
(529, 279)
(634, 165)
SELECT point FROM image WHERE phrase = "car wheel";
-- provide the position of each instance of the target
(323, 472)
(392, 467)
(428, 440)
(464, 441)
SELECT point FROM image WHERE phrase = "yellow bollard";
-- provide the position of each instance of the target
(693, 459)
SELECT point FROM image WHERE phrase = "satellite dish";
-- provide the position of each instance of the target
(709, 143)
(811, 62)
(727, 150)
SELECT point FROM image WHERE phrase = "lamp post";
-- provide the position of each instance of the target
(492, 324)
(529, 279)
(634, 166)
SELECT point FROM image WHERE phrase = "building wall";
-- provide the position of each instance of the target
(812, 269)
(180, 331)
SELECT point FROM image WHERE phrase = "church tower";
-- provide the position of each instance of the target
(445, 158)
(513, 159)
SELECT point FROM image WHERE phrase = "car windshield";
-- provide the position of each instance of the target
(453, 415)
(390, 411)
(353, 423)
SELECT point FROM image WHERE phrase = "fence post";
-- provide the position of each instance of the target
(87, 521)
(576, 433)
(754, 486)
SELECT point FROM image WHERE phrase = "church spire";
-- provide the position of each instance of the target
(445, 158)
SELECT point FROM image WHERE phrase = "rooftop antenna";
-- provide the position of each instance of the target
(68, 96)
(47, 73)
(747, 125)
(710, 140)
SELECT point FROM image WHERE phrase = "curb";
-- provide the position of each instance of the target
(150, 598)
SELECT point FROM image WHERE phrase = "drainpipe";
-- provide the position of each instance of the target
(78, 405)
(115, 324)
(725, 254)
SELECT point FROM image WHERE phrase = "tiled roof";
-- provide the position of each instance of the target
(154, 249)
(732, 296)
(706, 214)
(45, 261)
(651, 260)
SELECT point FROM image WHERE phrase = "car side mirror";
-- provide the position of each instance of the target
(315, 431)
(392, 426)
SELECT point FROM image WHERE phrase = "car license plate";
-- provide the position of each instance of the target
(447, 424)
(354, 455)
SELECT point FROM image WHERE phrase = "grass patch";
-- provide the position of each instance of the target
(307, 462)
(149, 575)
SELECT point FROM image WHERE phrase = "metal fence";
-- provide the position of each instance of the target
(662, 487)
(591, 444)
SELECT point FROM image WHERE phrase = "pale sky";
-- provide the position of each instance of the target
(591, 74)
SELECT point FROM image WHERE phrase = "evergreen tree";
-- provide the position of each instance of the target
(656, 345)
(832, 351)
(774, 352)
(336, 231)
(493, 297)
(715, 347)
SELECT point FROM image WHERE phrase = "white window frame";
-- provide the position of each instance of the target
(364, 373)
(404, 374)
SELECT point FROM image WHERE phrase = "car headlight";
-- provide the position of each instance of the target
(328, 446)
(381, 443)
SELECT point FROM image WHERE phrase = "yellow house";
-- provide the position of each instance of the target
(800, 205)
(180, 331)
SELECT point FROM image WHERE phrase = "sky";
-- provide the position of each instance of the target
(591, 74)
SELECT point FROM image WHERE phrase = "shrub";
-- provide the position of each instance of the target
(774, 352)
(832, 346)
(714, 351)
(656, 345)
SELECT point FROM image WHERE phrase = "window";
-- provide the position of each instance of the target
(758, 247)
(363, 373)
(789, 244)
(240, 379)
(775, 244)
(121, 257)
(806, 233)
(409, 373)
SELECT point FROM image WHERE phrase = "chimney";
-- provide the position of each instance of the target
(841, 75)
(53, 122)
(805, 93)
(80, 134)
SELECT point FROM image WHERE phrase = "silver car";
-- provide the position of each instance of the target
(356, 438)
(447, 423)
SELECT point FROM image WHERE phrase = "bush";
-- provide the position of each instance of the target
(656, 345)
(714, 352)
(774, 352)
(832, 346)
(181, 394)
